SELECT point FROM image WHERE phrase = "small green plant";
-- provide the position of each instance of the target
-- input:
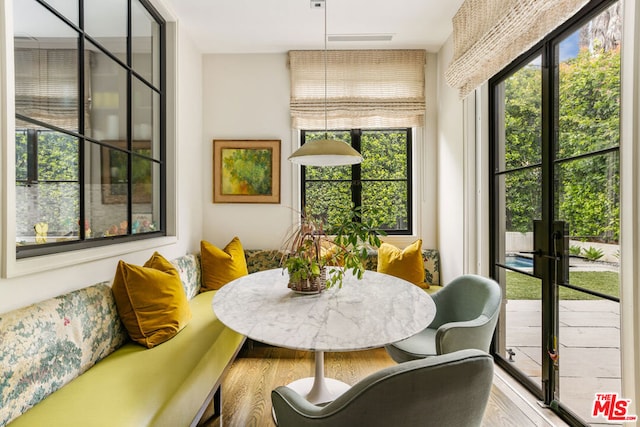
(593, 254)
(352, 240)
(309, 248)
(575, 250)
(305, 265)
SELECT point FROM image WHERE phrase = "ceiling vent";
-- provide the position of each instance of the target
(359, 37)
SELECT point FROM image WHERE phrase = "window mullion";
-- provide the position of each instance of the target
(32, 156)
(82, 220)
(356, 170)
(303, 175)
(129, 119)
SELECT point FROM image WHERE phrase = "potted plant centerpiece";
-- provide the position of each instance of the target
(316, 259)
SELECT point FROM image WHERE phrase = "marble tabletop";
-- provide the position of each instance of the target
(368, 313)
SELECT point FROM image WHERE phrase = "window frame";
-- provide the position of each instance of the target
(160, 88)
(356, 174)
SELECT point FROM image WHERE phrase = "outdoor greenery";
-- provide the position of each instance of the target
(575, 250)
(48, 191)
(520, 286)
(384, 182)
(48, 188)
(589, 106)
(592, 254)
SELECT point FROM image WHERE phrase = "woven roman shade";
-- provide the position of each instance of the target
(364, 88)
(489, 34)
(47, 86)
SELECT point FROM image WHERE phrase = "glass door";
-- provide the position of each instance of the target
(516, 204)
(586, 173)
(555, 214)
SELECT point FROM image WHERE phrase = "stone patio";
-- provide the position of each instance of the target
(589, 349)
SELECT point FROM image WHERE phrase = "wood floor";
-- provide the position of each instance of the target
(246, 390)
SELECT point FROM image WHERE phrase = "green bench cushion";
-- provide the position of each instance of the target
(135, 386)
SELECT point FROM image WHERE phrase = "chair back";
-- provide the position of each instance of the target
(448, 390)
(465, 298)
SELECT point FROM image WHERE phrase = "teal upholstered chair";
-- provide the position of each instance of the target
(450, 390)
(466, 317)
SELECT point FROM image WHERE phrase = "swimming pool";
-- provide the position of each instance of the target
(517, 261)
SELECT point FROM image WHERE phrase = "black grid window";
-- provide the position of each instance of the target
(380, 186)
(89, 128)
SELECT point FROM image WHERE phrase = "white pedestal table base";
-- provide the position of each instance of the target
(319, 389)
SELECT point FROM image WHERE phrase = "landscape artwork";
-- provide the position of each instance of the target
(246, 171)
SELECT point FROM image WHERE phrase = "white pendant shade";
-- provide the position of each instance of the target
(325, 152)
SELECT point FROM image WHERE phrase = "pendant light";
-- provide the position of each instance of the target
(325, 152)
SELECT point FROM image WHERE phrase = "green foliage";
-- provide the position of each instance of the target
(52, 193)
(592, 254)
(308, 248)
(384, 190)
(575, 250)
(520, 286)
(58, 156)
(522, 148)
(352, 238)
(588, 196)
(302, 265)
(21, 155)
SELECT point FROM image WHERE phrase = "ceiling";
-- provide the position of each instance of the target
(275, 26)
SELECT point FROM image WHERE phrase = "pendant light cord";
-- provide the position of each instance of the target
(326, 130)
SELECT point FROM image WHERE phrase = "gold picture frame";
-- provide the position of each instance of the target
(246, 171)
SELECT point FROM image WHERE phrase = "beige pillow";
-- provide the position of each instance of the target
(406, 264)
(151, 301)
(221, 266)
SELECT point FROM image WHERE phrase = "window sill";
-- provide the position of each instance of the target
(23, 267)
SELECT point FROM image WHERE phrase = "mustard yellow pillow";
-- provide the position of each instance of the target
(406, 264)
(221, 266)
(151, 301)
(330, 254)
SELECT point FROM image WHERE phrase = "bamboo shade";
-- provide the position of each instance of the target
(489, 34)
(47, 86)
(364, 88)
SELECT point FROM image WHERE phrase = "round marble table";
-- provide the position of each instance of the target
(368, 313)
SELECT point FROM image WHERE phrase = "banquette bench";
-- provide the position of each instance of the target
(68, 361)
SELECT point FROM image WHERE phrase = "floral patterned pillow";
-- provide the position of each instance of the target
(188, 267)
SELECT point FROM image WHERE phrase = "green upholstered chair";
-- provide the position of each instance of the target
(466, 317)
(449, 390)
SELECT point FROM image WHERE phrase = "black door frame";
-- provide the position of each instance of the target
(546, 48)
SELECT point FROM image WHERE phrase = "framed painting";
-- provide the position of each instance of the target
(114, 172)
(246, 171)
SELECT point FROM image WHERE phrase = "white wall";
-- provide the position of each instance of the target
(427, 161)
(450, 178)
(189, 152)
(247, 97)
(26, 289)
